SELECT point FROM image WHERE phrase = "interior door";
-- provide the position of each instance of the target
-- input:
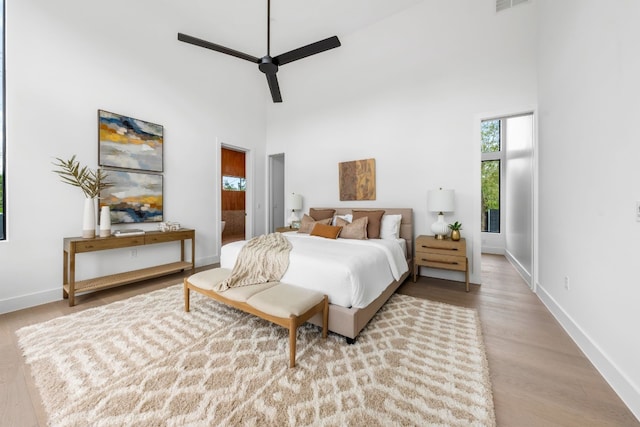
(276, 191)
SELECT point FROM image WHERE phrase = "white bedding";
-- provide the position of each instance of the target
(351, 272)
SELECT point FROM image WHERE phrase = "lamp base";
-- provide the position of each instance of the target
(292, 218)
(440, 228)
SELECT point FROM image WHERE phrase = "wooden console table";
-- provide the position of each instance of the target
(76, 245)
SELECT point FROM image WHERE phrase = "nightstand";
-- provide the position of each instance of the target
(285, 229)
(445, 254)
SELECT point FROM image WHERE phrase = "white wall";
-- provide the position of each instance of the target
(69, 58)
(406, 91)
(590, 180)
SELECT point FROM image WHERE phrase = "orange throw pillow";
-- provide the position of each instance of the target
(328, 231)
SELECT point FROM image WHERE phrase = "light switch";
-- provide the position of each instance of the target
(638, 211)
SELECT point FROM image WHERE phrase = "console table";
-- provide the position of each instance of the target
(77, 245)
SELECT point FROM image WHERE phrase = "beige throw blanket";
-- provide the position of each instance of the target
(263, 259)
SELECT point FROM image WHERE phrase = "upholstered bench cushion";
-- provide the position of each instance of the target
(283, 300)
(208, 279)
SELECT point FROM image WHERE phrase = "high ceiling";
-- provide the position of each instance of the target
(241, 24)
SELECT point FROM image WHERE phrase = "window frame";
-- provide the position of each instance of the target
(3, 157)
(500, 156)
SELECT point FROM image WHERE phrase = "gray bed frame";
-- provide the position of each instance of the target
(348, 322)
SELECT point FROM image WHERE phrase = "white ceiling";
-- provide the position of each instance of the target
(241, 24)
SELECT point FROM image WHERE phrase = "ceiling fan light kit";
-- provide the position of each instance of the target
(268, 64)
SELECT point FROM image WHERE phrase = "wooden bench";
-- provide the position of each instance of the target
(285, 305)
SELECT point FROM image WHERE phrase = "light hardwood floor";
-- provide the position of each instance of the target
(539, 376)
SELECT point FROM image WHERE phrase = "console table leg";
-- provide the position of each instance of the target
(72, 279)
(193, 253)
(466, 274)
(65, 277)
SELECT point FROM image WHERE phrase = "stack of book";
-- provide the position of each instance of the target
(128, 232)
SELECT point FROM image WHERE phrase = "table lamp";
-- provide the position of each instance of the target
(295, 203)
(440, 201)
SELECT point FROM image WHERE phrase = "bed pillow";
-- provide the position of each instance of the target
(373, 226)
(353, 230)
(347, 218)
(327, 231)
(318, 214)
(307, 223)
(390, 226)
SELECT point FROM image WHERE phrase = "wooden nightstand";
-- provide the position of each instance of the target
(285, 229)
(444, 254)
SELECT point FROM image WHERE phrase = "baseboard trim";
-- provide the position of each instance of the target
(492, 250)
(43, 297)
(526, 276)
(30, 300)
(621, 383)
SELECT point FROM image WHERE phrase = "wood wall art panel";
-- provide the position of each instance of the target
(358, 180)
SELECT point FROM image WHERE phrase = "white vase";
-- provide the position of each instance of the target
(105, 222)
(89, 219)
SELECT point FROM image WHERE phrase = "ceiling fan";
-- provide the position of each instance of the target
(268, 64)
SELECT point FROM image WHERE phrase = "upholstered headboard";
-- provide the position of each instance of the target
(406, 225)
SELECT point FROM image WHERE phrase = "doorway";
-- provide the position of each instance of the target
(507, 189)
(233, 200)
(276, 191)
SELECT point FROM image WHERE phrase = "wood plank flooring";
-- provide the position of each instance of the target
(539, 376)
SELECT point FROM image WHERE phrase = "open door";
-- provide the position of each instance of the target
(233, 203)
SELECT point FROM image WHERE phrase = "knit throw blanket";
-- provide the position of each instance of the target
(263, 259)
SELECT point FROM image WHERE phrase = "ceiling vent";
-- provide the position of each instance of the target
(506, 4)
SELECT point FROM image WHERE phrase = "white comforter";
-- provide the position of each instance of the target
(351, 272)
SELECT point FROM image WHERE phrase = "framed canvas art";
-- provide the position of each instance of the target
(129, 143)
(134, 197)
(358, 180)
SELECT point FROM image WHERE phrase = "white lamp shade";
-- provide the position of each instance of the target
(440, 200)
(295, 201)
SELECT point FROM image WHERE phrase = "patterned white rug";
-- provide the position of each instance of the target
(145, 362)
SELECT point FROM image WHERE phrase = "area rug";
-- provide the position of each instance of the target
(145, 362)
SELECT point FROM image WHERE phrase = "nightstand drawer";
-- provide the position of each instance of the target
(442, 261)
(435, 251)
(442, 246)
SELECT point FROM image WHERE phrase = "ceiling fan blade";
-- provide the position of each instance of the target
(208, 45)
(274, 87)
(308, 50)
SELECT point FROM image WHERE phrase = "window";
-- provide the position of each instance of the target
(234, 183)
(2, 164)
(491, 140)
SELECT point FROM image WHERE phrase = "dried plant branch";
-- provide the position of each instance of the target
(89, 181)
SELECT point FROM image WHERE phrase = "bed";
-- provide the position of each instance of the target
(360, 262)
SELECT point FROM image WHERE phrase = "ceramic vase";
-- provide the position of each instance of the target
(105, 221)
(89, 219)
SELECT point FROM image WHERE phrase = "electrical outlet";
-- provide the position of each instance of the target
(134, 253)
(566, 282)
(638, 211)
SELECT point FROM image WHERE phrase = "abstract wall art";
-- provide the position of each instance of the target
(358, 180)
(129, 143)
(134, 197)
